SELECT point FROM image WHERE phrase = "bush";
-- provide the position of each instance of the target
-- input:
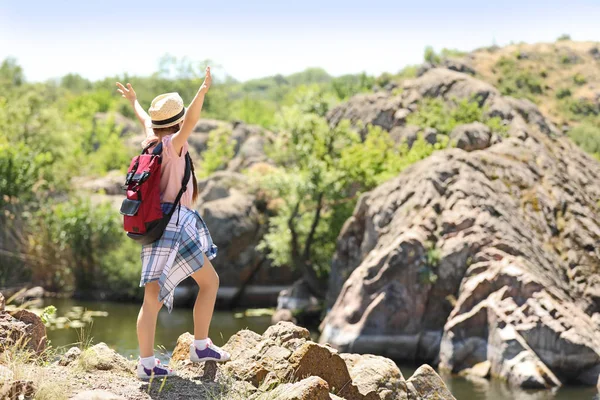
(587, 136)
(579, 79)
(444, 117)
(562, 93)
(220, 149)
(563, 37)
(516, 81)
(70, 239)
(253, 111)
(430, 56)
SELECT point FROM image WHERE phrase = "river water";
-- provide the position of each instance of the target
(117, 329)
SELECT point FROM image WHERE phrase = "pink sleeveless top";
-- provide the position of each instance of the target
(171, 174)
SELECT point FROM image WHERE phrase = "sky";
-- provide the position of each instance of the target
(251, 39)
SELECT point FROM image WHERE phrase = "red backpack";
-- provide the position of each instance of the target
(143, 218)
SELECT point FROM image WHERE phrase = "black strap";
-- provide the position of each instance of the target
(157, 150)
(186, 178)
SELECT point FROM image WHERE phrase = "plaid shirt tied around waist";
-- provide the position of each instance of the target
(178, 253)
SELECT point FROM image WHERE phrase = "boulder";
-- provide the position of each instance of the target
(473, 136)
(285, 353)
(405, 134)
(70, 356)
(378, 109)
(425, 384)
(479, 370)
(283, 315)
(110, 184)
(311, 388)
(468, 257)
(103, 358)
(298, 300)
(36, 330)
(24, 329)
(375, 375)
(448, 85)
(458, 65)
(2, 302)
(237, 226)
(181, 352)
(96, 395)
(12, 331)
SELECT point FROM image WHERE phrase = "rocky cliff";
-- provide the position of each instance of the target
(487, 253)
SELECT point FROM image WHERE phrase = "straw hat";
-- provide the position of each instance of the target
(166, 110)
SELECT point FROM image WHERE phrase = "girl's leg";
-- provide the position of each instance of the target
(208, 282)
(146, 323)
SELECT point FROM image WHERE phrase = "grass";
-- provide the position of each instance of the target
(26, 365)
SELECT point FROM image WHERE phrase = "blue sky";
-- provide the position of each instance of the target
(258, 38)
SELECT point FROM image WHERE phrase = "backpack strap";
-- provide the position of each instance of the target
(186, 178)
(157, 150)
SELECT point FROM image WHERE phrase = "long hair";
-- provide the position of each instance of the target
(160, 133)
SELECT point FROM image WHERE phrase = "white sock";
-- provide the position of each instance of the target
(201, 344)
(148, 362)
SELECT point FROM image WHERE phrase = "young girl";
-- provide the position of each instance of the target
(186, 247)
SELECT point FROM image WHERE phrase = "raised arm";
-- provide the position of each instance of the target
(192, 115)
(140, 113)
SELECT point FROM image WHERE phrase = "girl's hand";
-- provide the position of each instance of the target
(127, 92)
(207, 81)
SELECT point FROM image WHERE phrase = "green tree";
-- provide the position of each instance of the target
(314, 190)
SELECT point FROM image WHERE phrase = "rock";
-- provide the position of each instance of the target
(19, 389)
(468, 257)
(595, 52)
(480, 370)
(110, 184)
(312, 359)
(284, 332)
(2, 303)
(430, 135)
(70, 356)
(181, 352)
(207, 125)
(12, 331)
(251, 152)
(377, 109)
(24, 329)
(375, 375)
(126, 126)
(311, 388)
(425, 384)
(423, 68)
(407, 134)
(103, 358)
(237, 226)
(298, 300)
(97, 395)
(285, 353)
(473, 136)
(458, 65)
(532, 115)
(283, 316)
(448, 85)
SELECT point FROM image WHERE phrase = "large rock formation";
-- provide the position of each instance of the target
(489, 255)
